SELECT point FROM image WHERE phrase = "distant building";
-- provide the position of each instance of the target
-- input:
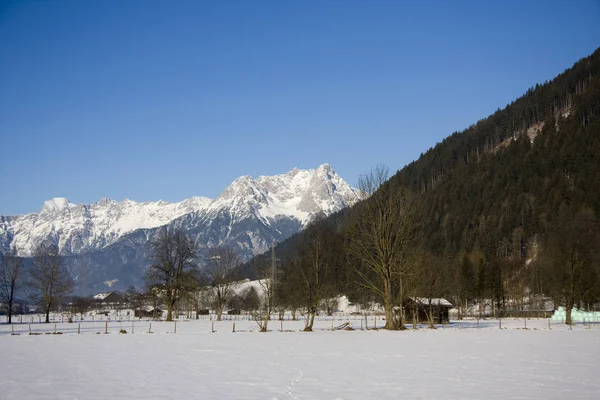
(147, 312)
(110, 300)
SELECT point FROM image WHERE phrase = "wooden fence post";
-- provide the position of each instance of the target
(78, 328)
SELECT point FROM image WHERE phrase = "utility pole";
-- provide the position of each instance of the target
(273, 262)
(272, 283)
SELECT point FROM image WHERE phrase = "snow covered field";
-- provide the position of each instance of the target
(449, 363)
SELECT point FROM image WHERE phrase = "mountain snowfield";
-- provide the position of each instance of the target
(108, 241)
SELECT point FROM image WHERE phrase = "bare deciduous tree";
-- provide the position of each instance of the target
(380, 241)
(267, 282)
(313, 270)
(49, 279)
(174, 265)
(220, 273)
(10, 279)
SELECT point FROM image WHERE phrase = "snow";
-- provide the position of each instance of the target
(194, 363)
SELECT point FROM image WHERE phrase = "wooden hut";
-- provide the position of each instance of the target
(147, 312)
(421, 307)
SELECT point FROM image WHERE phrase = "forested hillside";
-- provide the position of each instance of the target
(504, 212)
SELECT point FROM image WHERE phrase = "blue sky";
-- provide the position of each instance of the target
(167, 100)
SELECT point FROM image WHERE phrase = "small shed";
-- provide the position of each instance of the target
(147, 312)
(421, 307)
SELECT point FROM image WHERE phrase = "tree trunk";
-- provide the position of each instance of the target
(389, 309)
(48, 314)
(568, 308)
(389, 318)
(294, 314)
(310, 320)
(169, 311)
(10, 306)
(415, 312)
(219, 311)
(430, 317)
(263, 328)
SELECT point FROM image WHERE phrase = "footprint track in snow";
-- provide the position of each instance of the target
(293, 383)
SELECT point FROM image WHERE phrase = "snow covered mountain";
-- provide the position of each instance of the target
(106, 243)
(81, 228)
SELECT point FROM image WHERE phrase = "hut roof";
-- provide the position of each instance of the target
(434, 301)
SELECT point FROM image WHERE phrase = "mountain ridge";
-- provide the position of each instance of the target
(108, 240)
(80, 228)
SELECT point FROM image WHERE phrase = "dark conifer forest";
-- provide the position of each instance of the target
(503, 214)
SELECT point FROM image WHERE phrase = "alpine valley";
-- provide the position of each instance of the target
(106, 244)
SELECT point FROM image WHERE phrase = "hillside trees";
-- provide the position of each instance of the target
(173, 270)
(310, 272)
(287, 291)
(570, 259)
(49, 279)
